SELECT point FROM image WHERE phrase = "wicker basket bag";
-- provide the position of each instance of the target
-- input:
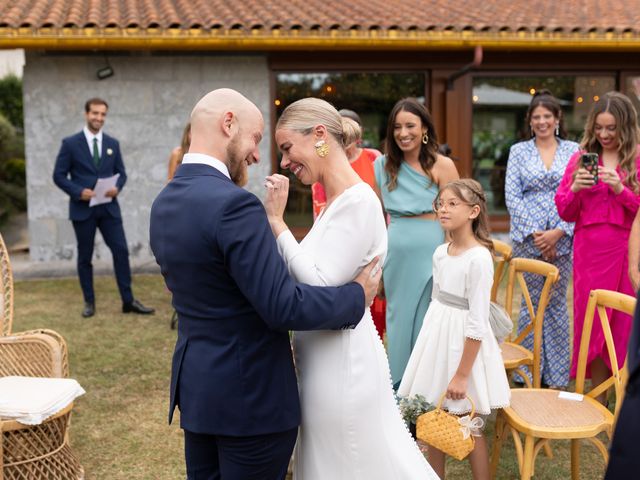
(446, 432)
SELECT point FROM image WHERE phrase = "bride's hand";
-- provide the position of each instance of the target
(277, 193)
(276, 201)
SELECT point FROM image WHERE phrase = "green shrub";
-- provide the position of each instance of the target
(14, 172)
(13, 194)
(11, 100)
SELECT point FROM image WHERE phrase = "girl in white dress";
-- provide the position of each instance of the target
(351, 427)
(456, 351)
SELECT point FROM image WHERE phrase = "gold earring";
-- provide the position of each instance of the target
(425, 138)
(322, 148)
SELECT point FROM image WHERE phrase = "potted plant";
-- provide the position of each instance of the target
(411, 408)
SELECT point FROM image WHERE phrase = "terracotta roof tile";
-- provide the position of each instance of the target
(323, 15)
(283, 24)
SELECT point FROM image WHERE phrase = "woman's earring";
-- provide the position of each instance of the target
(557, 129)
(322, 148)
(425, 138)
(531, 131)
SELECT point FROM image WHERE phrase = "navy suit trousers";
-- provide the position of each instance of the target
(624, 461)
(222, 457)
(113, 233)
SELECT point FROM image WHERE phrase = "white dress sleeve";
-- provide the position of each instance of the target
(479, 282)
(348, 242)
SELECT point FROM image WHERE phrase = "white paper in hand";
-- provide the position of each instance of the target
(103, 185)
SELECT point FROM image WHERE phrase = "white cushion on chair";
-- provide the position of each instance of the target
(31, 400)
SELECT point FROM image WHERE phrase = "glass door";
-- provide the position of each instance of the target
(371, 95)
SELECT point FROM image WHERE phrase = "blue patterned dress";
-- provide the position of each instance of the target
(408, 268)
(529, 190)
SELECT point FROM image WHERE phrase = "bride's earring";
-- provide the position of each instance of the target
(557, 129)
(322, 148)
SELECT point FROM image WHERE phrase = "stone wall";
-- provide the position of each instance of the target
(150, 98)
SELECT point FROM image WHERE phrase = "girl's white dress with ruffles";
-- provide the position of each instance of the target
(351, 426)
(438, 350)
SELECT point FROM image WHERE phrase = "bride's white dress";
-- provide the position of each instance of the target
(351, 426)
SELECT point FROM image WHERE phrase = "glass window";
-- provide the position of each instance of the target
(632, 90)
(370, 95)
(499, 109)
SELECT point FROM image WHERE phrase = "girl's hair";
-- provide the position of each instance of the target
(351, 130)
(428, 153)
(626, 118)
(544, 98)
(471, 192)
(185, 142)
(303, 115)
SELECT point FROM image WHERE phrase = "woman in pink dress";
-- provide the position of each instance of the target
(603, 210)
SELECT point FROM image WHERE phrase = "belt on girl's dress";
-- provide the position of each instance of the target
(449, 299)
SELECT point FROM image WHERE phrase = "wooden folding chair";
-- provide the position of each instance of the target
(32, 451)
(501, 257)
(540, 414)
(514, 354)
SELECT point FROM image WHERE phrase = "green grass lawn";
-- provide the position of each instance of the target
(119, 428)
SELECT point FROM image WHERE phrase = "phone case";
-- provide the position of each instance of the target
(590, 162)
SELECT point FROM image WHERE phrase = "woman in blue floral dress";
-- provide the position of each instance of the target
(534, 171)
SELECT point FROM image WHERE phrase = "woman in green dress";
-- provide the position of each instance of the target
(409, 177)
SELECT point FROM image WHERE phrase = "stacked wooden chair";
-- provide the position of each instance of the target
(32, 451)
(514, 354)
(540, 415)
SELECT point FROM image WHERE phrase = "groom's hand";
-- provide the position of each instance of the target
(369, 278)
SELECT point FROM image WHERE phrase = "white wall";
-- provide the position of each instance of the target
(11, 61)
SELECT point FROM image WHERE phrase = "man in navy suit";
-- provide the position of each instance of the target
(233, 376)
(83, 158)
(624, 461)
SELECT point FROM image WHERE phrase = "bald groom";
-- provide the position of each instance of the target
(232, 374)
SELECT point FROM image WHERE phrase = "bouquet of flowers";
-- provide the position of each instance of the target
(411, 408)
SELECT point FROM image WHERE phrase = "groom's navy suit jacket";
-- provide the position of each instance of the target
(624, 461)
(75, 170)
(233, 372)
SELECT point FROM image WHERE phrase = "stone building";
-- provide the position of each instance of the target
(150, 98)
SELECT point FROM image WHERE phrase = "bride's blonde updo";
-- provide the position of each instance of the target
(301, 116)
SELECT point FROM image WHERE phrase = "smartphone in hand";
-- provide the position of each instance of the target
(589, 161)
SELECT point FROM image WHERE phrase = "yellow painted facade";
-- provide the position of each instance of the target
(279, 39)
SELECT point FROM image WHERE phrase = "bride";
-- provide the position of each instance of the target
(351, 426)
